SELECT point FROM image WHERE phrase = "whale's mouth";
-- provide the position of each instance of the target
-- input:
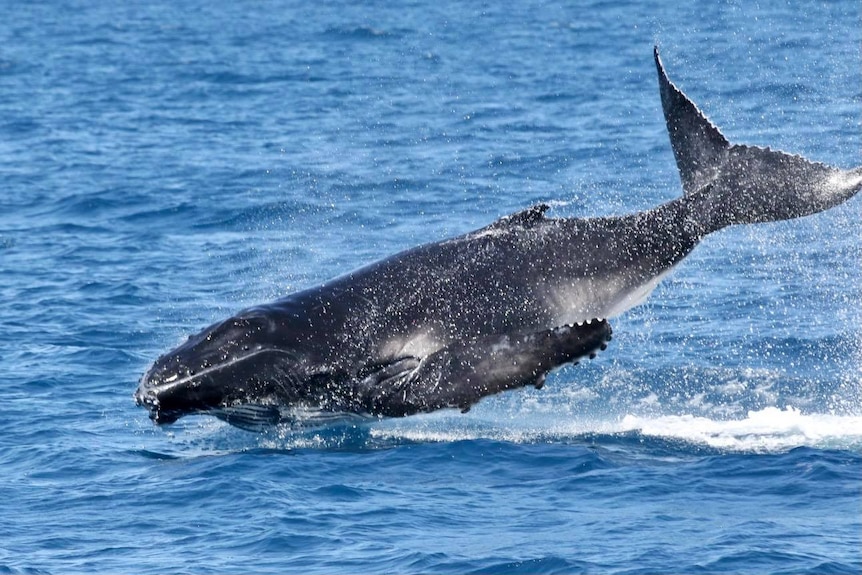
(169, 394)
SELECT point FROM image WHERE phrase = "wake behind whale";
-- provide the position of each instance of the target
(445, 324)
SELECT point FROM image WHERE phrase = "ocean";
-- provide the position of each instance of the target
(166, 164)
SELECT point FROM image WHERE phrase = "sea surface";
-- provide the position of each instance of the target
(164, 164)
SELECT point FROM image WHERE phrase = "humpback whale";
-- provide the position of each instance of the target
(446, 324)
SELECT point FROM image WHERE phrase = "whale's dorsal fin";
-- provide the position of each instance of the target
(523, 219)
(699, 148)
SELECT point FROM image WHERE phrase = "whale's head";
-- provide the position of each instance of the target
(242, 363)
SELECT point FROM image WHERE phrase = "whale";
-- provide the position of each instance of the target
(445, 324)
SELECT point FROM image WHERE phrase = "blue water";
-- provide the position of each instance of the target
(165, 164)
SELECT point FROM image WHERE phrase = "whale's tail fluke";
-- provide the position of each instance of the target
(736, 184)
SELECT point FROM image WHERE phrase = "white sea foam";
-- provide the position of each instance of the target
(764, 431)
(770, 429)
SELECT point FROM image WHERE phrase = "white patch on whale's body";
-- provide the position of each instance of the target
(637, 296)
(420, 344)
(599, 297)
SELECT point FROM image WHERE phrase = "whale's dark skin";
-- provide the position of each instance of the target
(448, 323)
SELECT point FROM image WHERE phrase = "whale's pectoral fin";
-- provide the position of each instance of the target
(459, 375)
(736, 184)
(390, 374)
